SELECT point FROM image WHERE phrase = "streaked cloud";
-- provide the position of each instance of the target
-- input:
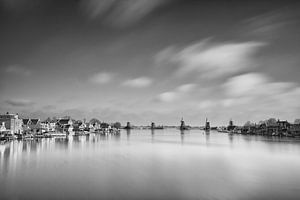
(186, 87)
(138, 82)
(270, 25)
(176, 94)
(167, 96)
(19, 102)
(101, 78)
(255, 84)
(211, 60)
(18, 70)
(256, 92)
(120, 12)
(20, 5)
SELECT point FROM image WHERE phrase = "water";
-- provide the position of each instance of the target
(151, 165)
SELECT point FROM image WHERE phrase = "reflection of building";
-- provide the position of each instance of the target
(12, 123)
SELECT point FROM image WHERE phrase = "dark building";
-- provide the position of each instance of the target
(230, 127)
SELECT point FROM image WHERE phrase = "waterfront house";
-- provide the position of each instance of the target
(35, 126)
(2, 127)
(230, 127)
(44, 126)
(12, 123)
(261, 129)
(79, 126)
(295, 129)
(283, 127)
(25, 126)
(64, 125)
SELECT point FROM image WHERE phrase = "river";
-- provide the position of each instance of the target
(145, 164)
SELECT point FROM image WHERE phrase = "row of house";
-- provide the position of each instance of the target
(11, 123)
(280, 128)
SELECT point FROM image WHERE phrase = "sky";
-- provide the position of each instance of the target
(144, 61)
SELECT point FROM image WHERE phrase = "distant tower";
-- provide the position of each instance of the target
(152, 125)
(231, 126)
(207, 125)
(128, 126)
(182, 125)
(230, 122)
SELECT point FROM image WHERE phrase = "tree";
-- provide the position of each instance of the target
(271, 122)
(297, 121)
(95, 121)
(248, 123)
(117, 125)
(48, 119)
(104, 125)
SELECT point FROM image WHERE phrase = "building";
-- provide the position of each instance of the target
(25, 126)
(207, 125)
(128, 126)
(12, 123)
(2, 127)
(35, 126)
(295, 129)
(230, 127)
(64, 125)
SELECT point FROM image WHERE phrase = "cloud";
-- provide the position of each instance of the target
(186, 87)
(120, 12)
(19, 102)
(138, 82)
(101, 78)
(167, 96)
(19, 70)
(211, 60)
(177, 94)
(272, 24)
(19, 5)
(256, 93)
(255, 84)
(245, 84)
(205, 104)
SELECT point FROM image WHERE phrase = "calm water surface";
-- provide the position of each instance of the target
(151, 165)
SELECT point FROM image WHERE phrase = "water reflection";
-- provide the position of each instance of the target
(157, 164)
(152, 135)
(207, 135)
